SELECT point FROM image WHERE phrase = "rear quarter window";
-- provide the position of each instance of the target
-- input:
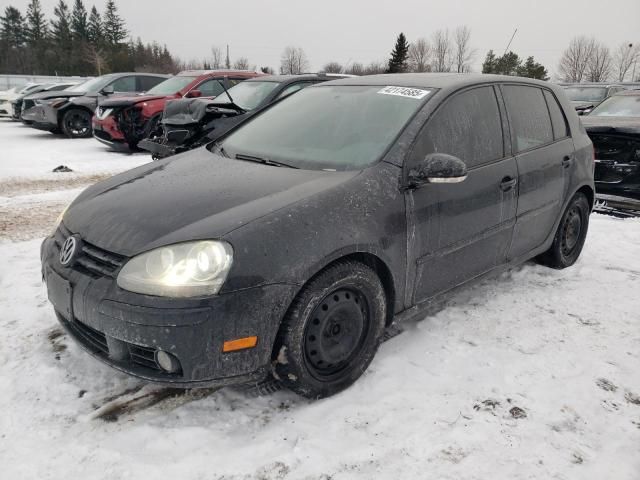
(558, 121)
(528, 116)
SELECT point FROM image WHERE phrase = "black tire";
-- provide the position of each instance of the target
(570, 236)
(332, 331)
(76, 123)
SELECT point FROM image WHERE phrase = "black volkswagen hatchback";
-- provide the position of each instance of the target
(288, 246)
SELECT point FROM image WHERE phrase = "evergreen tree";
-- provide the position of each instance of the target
(36, 24)
(12, 28)
(113, 26)
(398, 60)
(533, 69)
(490, 62)
(61, 39)
(79, 21)
(94, 28)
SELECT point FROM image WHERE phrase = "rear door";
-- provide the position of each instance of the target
(544, 155)
(458, 231)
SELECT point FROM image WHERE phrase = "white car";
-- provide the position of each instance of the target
(11, 94)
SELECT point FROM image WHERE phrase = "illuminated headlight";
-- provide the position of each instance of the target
(183, 270)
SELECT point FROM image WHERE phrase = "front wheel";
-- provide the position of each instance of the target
(76, 123)
(332, 331)
(570, 236)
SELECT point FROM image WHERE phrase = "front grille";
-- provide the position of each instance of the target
(91, 337)
(93, 260)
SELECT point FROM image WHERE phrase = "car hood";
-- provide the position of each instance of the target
(196, 195)
(610, 124)
(127, 101)
(56, 94)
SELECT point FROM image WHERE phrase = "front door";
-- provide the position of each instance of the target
(461, 230)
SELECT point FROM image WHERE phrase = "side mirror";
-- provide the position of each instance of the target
(438, 168)
(108, 90)
(193, 94)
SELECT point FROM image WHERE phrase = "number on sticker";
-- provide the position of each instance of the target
(405, 92)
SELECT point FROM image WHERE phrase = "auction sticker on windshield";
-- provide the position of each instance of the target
(405, 92)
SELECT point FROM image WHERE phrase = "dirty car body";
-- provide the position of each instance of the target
(370, 193)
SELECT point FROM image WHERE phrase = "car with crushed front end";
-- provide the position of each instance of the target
(122, 122)
(20, 102)
(70, 111)
(614, 129)
(189, 123)
(289, 245)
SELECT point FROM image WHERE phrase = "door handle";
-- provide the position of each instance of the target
(508, 183)
(566, 161)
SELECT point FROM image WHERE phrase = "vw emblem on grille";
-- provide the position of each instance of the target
(68, 250)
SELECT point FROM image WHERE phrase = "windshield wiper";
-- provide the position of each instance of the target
(264, 161)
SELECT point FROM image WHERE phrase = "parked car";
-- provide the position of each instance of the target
(193, 122)
(70, 111)
(586, 96)
(614, 128)
(291, 243)
(7, 97)
(122, 122)
(18, 102)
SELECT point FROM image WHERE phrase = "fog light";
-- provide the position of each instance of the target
(169, 363)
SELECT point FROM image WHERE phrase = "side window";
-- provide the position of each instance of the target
(467, 126)
(529, 117)
(147, 83)
(292, 88)
(558, 122)
(124, 84)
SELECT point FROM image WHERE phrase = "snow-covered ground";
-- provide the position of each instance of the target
(533, 375)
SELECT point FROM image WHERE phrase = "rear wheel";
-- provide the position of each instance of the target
(76, 123)
(332, 331)
(570, 236)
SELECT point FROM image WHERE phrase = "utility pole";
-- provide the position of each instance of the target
(228, 61)
(509, 44)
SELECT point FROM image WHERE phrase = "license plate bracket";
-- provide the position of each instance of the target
(60, 294)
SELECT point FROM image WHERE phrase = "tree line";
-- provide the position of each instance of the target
(587, 59)
(75, 42)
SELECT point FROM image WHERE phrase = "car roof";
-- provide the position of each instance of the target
(125, 74)
(290, 78)
(593, 84)
(451, 81)
(199, 73)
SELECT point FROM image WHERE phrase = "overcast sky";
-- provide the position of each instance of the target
(357, 30)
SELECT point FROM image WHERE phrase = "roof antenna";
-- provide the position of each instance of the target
(509, 44)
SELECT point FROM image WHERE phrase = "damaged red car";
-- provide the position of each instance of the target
(122, 122)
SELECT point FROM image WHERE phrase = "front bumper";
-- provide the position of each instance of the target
(5, 108)
(125, 330)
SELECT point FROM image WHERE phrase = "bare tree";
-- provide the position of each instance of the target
(376, 67)
(216, 57)
(464, 54)
(332, 67)
(575, 59)
(293, 61)
(356, 68)
(241, 63)
(442, 51)
(96, 57)
(626, 56)
(599, 66)
(420, 56)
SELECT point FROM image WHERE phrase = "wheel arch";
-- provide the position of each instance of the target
(588, 192)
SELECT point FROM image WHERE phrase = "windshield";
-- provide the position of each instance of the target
(29, 88)
(171, 85)
(248, 95)
(76, 86)
(332, 127)
(586, 94)
(618, 106)
(94, 85)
